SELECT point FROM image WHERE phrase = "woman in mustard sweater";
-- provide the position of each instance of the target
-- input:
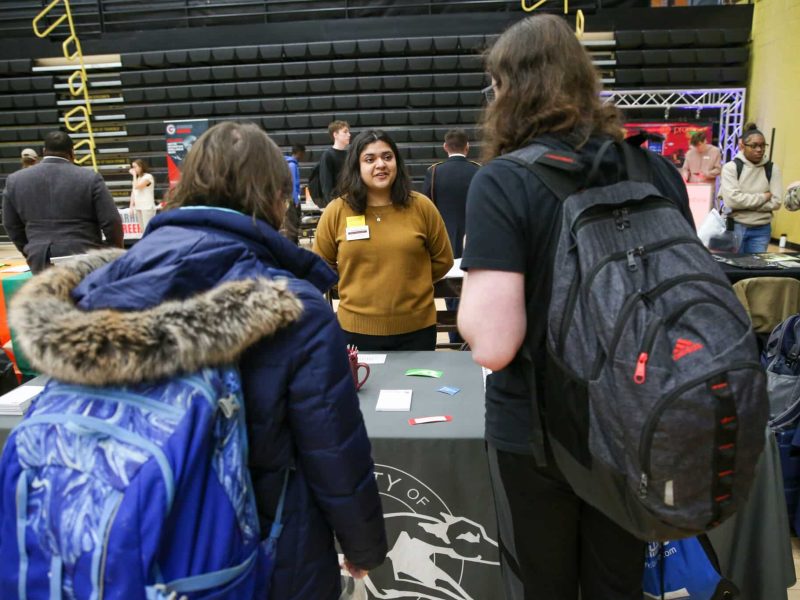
(388, 244)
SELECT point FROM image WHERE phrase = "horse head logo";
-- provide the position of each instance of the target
(428, 550)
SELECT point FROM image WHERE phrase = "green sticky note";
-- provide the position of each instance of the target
(424, 373)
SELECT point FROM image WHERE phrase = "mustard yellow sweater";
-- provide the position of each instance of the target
(386, 281)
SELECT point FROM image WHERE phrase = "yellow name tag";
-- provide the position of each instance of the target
(356, 221)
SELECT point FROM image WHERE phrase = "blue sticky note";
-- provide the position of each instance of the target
(450, 390)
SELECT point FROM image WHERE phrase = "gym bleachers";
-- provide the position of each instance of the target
(424, 85)
(34, 97)
(705, 58)
(415, 87)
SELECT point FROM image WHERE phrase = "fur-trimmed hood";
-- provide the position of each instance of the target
(106, 347)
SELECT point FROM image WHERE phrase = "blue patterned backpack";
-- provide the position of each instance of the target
(133, 492)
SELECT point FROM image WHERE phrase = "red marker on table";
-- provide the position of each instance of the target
(424, 420)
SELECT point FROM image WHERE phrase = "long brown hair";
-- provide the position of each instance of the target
(351, 186)
(142, 165)
(546, 83)
(236, 166)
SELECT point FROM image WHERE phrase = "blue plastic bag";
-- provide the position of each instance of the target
(685, 569)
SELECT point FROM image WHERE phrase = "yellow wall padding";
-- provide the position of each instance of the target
(774, 93)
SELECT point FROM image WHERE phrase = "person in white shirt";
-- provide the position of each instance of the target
(143, 203)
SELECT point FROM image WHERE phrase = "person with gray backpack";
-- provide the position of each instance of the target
(626, 401)
(751, 189)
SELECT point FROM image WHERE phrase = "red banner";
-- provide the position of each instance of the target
(676, 136)
(180, 137)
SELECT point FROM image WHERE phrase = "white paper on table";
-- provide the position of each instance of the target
(372, 359)
(486, 372)
(17, 400)
(394, 400)
(455, 271)
(19, 269)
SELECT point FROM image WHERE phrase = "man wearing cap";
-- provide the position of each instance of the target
(58, 208)
(29, 158)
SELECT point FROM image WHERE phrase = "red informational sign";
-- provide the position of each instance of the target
(180, 137)
(676, 136)
(131, 228)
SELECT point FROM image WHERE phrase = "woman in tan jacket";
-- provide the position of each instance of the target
(751, 190)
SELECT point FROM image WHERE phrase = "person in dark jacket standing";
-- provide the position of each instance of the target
(555, 545)
(57, 208)
(294, 210)
(300, 400)
(332, 161)
(446, 184)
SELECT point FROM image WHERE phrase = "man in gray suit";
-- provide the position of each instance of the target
(57, 208)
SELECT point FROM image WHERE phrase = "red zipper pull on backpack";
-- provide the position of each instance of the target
(639, 375)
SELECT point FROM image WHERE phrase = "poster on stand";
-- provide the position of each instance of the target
(676, 136)
(180, 136)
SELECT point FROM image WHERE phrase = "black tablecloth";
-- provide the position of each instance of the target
(735, 273)
(434, 483)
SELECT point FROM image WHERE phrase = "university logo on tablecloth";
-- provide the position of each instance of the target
(430, 548)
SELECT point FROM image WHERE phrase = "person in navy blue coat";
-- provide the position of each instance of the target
(301, 404)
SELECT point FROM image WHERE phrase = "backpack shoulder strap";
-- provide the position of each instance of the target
(277, 524)
(740, 167)
(637, 166)
(556, 169)
(563, 174)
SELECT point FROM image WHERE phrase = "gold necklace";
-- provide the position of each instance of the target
(379, 215)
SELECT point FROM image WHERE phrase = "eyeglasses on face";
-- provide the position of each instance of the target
(488, 93)
(757, 146)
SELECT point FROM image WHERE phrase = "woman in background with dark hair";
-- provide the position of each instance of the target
(143, 202)
(388, 244)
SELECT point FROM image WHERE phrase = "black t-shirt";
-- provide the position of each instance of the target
(330, 165)
(513, 224)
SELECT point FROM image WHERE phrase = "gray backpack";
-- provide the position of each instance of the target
(655, 404)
